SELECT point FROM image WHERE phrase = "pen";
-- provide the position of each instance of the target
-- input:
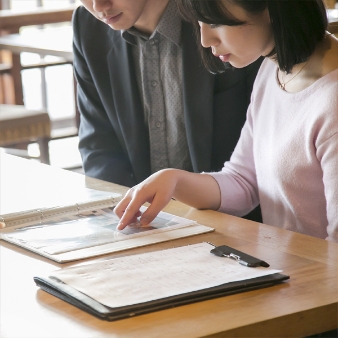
(241, 257)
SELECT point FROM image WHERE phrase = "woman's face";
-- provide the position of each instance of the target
(239, 45)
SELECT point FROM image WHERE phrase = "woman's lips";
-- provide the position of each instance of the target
(224, 58)
(109, 20)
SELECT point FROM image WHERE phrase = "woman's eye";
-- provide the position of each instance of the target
(214, 25)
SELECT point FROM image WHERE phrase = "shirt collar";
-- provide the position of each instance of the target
(169, 26)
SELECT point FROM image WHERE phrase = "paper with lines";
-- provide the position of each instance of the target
(141, 278)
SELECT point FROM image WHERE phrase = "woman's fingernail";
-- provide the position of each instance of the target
(119, 226)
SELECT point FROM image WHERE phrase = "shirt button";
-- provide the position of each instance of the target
(152, 42)
(154, 83)
(158, 124)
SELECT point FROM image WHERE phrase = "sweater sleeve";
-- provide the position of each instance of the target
(327, 153)
(237, 180)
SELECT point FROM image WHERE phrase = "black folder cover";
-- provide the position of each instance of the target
(70, 295)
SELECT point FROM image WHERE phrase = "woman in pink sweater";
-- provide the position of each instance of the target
(287, 156)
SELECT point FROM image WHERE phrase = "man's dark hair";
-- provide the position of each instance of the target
(297, 25)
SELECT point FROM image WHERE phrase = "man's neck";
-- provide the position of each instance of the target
(151, 16)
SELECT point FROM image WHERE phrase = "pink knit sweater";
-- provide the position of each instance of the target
(287, 157)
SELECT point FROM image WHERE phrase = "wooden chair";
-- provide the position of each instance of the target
(20, 126)
(6, 84)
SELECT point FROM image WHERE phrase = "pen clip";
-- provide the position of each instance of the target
(241, 257)
(237, 258)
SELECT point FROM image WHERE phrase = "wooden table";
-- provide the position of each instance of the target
(56, 42)
(49, 41)
(11, 20)
(10, 23)
(333, 21)
(305, 305)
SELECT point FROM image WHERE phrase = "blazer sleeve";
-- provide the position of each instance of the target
(102, 154)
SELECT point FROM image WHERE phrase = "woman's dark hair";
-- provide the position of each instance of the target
(297, 25)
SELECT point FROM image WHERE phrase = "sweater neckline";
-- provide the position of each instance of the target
(308, 90)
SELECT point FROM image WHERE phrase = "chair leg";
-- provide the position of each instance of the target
(44, 149)
(17, 80)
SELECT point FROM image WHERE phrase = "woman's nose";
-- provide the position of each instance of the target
(208, 36)
(100, 6)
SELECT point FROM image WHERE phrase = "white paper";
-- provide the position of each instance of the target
(141, 278)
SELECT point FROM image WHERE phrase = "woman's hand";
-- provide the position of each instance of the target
(158, 189)
(197, 190)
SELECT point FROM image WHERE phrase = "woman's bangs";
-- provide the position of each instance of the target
(209, 12)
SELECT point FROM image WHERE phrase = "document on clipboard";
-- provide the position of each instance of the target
(121, 287)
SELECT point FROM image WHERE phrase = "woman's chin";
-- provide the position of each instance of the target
(236, 64)
(240, 64)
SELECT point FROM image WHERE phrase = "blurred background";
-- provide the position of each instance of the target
(47, 80)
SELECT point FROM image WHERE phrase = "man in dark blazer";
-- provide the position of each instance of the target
(114, 137)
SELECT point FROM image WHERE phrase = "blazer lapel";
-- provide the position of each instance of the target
(198, 86)
(128, 106)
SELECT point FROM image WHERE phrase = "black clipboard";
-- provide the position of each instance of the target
(85, 303)
(72, 296)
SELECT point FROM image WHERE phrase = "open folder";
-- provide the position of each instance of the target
(87, 228)
(127, 286)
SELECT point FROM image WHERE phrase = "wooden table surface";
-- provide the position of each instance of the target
(306, 304)
(55, 41)
(11, 20)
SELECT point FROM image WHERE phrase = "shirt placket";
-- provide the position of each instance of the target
(156, 113)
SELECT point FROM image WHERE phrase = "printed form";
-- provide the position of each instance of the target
(145, 277)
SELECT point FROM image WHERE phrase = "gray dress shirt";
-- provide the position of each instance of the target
(158, 65)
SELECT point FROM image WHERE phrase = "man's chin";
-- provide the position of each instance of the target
(118, 27)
